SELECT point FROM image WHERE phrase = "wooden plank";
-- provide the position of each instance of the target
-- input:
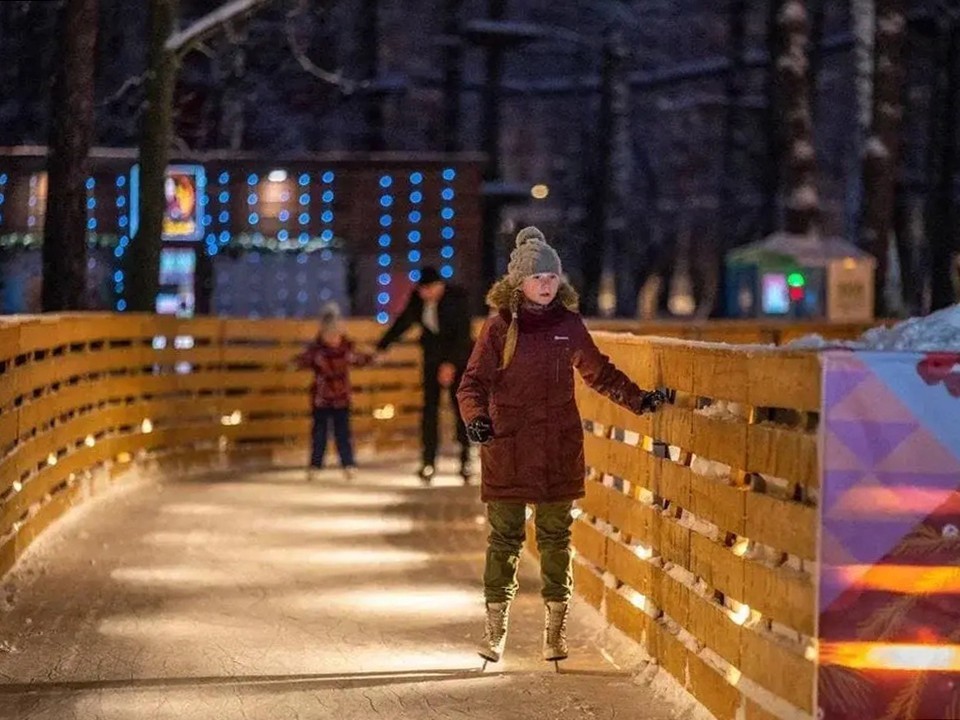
(636, 519)
(712, 690)
(720, 373)
(780, 594)
(9, 428)
(673, 598)
(588, 582)
(629, 569)
(675, 482)
(713, 627)
(628, 619)
(717, 566)
(783, 379)
(273, 330)
(596, 501)
(409, 376)
(675, 542)
(717, 502)
(783, 671)
(590, 543)
(723, 441)
(785, 525)
(790, 454)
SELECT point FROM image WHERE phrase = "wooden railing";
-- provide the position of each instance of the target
(84, 396)
(698, 532)
(697, 535)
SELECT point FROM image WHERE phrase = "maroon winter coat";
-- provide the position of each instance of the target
(536, 455)
(331, 371)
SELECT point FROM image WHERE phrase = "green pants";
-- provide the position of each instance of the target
(507, 532)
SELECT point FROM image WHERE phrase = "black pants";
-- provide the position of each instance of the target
(340, 417)
(431, 411)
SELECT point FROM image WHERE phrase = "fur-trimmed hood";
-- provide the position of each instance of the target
(505, 295)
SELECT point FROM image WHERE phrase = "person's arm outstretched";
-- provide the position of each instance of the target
(404, 322)
(604, 377)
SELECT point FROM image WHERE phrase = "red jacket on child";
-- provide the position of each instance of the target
(331, 370)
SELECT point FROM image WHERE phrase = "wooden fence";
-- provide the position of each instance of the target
(83, 396)
(697, 535)
(698, 532)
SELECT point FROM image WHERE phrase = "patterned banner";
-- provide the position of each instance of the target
(889, 613)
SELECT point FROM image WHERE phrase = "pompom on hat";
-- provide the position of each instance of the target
(532, 256)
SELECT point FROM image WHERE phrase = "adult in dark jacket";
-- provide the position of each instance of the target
(517, 398)
(442, 310)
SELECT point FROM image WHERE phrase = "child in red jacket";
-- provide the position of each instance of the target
(517, 400)
(330, 356)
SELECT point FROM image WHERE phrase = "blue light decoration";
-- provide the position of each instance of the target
(124, 205)
(32, 202)
(385, 241)
(447, 232)
(414, 218)
(327, 199)
(303, 218)
(91, 205)
(223, 217)
(3, 194)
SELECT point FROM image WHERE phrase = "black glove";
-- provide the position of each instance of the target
(649, 402)
(480, 430)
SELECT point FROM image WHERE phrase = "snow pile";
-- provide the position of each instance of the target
(939, 331)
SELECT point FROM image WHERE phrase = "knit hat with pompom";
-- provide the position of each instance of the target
(532, 256)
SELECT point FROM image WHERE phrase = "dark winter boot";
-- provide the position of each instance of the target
(495, 631)
(555, 631)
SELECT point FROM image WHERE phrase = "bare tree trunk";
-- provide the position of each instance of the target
(772, 175)
(369, 28)
(818, 20)
(490, 132)
(863, 22)
(882, 151)
(940, 231)
(452, 76)
(621, 175)
(144, 254)
(729, 235)
(803, 201)
(71, 134)
(599, 207)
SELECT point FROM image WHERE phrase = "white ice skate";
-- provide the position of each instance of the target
(555, 632)
(494, 632)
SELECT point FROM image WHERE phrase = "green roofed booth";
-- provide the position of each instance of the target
(798, 276)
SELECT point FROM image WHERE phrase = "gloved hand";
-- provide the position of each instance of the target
(649, 402)
(480, 430)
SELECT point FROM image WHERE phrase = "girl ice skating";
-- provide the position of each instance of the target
(517, 399)
(330, 356)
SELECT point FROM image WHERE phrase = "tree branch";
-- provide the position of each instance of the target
(336, 78)
(182, 41)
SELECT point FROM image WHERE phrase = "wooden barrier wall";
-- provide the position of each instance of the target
(83, 396)
(698, 532)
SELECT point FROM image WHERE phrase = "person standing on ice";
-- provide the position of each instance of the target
(442, 310)
(330, 356)
(517, 399)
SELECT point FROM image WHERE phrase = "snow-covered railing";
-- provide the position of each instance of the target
(84, 398)
(698, 533)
